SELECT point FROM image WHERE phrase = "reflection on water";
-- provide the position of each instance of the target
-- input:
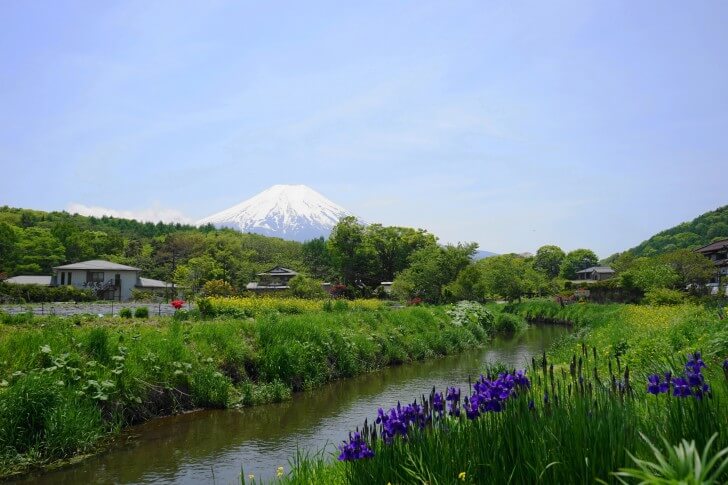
(195, 447)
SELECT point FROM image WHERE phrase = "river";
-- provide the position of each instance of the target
(212, 446)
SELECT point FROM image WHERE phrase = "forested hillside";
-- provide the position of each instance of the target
(358, 256)
(32, 242)
(702, 230)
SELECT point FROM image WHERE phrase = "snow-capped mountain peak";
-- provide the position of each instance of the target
(288, 211)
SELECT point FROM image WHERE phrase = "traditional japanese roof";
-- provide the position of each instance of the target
(150, 283)
(597, 269)
(279, 271)
(715, 246)
(30, 280)
(255, 286)
(98, 264)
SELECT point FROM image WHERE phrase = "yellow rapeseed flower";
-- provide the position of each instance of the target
(251, 476)
(279, 472)
(461, 476)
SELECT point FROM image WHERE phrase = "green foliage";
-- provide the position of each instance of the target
(217, 288)
(701, 231)
(469, 284)
(305, 287)
(38, 294)
(431, 269)
(141, 312)
(548, 260)
(143, 295)
(509, 323)
(38, 251)
(368, 255)
(581, 419)
(67, 383)
(577, 260)
(510, 276)
(664, 296)
(125, 313)
(469, 312)
(682, 463)
(691, 268)
(649, 273)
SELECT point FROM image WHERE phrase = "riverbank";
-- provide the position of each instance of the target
(69, 385)
(600, 395)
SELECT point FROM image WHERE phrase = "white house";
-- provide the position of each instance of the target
(111, 281)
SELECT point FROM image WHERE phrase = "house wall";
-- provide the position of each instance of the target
(78, 278)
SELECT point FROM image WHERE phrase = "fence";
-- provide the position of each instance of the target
(106, 308)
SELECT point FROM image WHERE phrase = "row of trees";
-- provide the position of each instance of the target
(356, 256)
(449, 273)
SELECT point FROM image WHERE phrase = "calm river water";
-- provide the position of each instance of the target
(212, 446)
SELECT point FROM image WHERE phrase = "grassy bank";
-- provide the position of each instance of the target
(641, 336)
(67, 384)
(579, 418)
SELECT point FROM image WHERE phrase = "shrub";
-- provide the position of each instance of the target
(142, 295)
(206, 308)
(509, 322)
(304, 287)
(125, 313)
(141, 312)
(218, 288)
(39, 294)
(664, 296)
(465, 312)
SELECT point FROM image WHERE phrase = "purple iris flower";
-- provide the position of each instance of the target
(680, 387)
(653, 384)
(355, 449)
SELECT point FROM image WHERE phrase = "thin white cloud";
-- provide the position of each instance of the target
(152, 214)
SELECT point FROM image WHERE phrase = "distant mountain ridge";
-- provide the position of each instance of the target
(293, 212)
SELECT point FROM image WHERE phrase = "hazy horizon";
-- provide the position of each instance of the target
(581, 124)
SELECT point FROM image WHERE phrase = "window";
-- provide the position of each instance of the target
(69, 277)
(63, 278)
(95, 277)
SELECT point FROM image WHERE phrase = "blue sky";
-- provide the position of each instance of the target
(513, 124)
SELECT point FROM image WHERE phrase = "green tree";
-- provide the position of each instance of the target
(648, 274)
(8, 246)
(431, 269)
(577, 260)
(510, 276)
(196, 272)
(217, 288)
(548, 260)
(352, 254)
(38, 251)
(691, 268)
(305, 287)
(393, 247)
(317, 259)
(468, 285)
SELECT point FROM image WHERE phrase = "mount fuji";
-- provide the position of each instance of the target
(295, 212)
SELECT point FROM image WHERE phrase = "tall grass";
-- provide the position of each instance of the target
(253, 306)
(582, 416)
(641, 336)
(63, 386)
(582, 433)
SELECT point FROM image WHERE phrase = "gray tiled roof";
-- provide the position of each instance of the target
(98, 264)
(716, 246)
(279, 271)
(598, 269)
(150, 283)
(30, 280)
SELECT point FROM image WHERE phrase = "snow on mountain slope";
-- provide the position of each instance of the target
(294, 212)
